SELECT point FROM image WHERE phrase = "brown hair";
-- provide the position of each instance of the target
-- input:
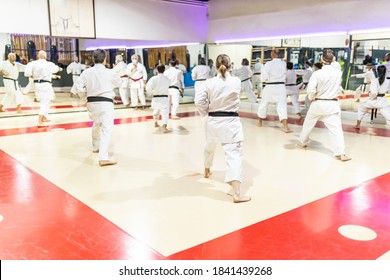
(223, 64)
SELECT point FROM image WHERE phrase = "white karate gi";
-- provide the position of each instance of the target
(376, 102)
(325, 84)
(138, 76)
(200, 74)
(256, 78)
(245, 75)
(292, 90)
(75, 69)
(306, 74)
(158, 87)
(274, 77)
(41, 71)
(121, 69)
(366, 86)
(177, 84)
(222, 95)
(99, 81)
(13, 96)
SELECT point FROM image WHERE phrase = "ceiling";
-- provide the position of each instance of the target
(188, 2)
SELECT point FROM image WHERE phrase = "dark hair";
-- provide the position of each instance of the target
(160, 68)
(318, 65)
(290, 65)
(245, 62)
(99, 55)
(223, 64)
(381, 73)
(173, 63)
(202, 61)
(327, 56)
(308, 63)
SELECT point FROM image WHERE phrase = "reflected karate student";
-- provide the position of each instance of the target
(220, 101)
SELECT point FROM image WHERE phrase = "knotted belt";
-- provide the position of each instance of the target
(99, 99)
(15, 81)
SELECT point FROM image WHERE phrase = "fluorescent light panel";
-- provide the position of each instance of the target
(140, 46)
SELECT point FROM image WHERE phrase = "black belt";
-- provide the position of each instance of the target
(174, 87)
(275, 83)
(305, 83)
(331, 99)
(41, 81)
(245, 80)
(387, 77)
(290, 85)
(381, 95)
(223, 114)
(256, 73)
(200, 80)
(99, 99)
(160, 95)
(16, 87)
(76, 74)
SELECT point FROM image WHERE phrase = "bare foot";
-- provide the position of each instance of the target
(287, 130)
(343, 158)
(260, 122)
(207, 172)
(239, 199)
(156, 125)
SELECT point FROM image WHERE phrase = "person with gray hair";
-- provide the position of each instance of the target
(138, 77)
(120, 68)
(10, 69)
(219, 100)
(41, 71)
(98, 84)
(323, 90)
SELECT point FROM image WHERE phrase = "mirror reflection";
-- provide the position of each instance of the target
(355, 56)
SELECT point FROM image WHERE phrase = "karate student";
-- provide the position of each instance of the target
(274, 77)
(175, 88)
(200, 74)
(41, 71)
(213, 70)
(292, 89)
(10, 69)
(323, 90)
(387, 58)
(75, 69)
(245, 75)
(220, 101)
(306, 74)
(138, 76)
(377, 100)
(256, 79)
(158, 87)
(98, 84)
(120, 68)
(368, 76)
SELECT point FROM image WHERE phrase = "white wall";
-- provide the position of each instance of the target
(4, 39)
(123, 20)
(235, 52)
(231, 19)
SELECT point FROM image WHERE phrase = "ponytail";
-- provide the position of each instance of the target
(381, 74)
(223, 64)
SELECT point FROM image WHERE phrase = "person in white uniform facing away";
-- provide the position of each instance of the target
(120, 68)
(75, 69)
(220, 101)
(98, 84)
(213, 70)
(158, 87)
(256, 79)
(377, 99)
(245, 75)
(10, 69)
(138, 76)
(41, 71)
(368, 76)
(180, 66)
(323, 90)
(200, 74)
(274, 77)
(292, 89)
(175, 88)
(306, 74)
